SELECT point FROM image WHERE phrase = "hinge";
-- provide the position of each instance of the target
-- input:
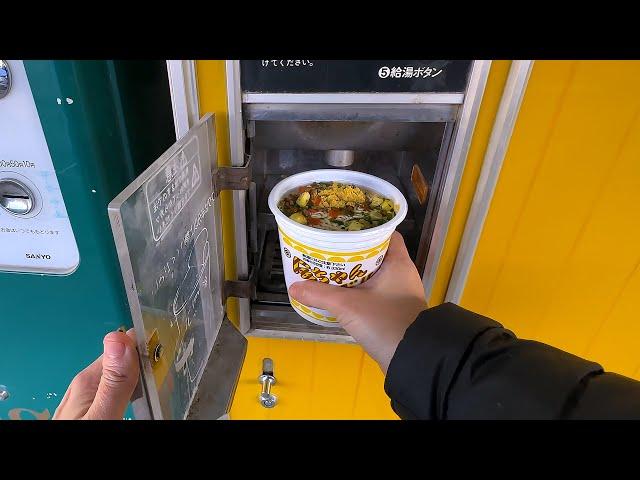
(232, 178)
(240, 288)
(251, 128)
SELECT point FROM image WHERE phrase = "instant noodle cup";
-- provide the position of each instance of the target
(343, 258)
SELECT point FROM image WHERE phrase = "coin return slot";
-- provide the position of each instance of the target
(15, 197)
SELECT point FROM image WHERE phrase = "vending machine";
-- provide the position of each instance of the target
(284, 117)
(72, 135)
(111, 211)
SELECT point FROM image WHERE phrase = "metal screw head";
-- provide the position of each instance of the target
(268, 400)
(4, 393)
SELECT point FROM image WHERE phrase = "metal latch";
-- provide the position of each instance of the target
(267, 379)
(232, 178)
(155, 349)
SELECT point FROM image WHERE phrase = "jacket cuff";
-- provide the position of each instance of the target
(427, 359)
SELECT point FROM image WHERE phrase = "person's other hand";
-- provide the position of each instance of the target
(378, 312)
(102, 390)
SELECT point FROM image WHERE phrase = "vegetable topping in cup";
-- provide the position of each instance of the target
(337, 206)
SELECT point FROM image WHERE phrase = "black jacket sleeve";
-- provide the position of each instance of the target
(456, 364)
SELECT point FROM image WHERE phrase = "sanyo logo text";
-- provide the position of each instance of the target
(38, 256)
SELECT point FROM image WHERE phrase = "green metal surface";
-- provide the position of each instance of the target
(50, 326)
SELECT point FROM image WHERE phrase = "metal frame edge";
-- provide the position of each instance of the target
(501, 132)
(459, 150)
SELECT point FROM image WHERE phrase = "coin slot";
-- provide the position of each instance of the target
(16, 198)
(5, 79)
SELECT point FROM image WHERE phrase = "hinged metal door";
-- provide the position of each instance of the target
(167, 230)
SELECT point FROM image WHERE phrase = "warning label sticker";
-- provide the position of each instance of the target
(171, 188)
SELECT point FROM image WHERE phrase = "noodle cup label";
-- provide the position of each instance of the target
(344, 269)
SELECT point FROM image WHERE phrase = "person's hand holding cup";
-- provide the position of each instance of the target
(378, 312)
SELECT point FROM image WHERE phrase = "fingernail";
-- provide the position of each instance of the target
(114, 349)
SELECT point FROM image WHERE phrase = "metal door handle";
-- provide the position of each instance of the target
(267, 399)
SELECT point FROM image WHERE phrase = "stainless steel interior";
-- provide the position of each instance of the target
(340, 158)
(387, 149)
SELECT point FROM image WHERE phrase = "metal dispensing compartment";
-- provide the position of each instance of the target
(406, 121)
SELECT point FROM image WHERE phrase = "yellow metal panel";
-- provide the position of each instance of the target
(488, 109)
(315, 380)
(212, 96)
(293, 367)
(558, 258)
(335, 375)
(372, 381)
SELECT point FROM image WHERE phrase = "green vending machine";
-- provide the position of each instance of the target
(73, 134)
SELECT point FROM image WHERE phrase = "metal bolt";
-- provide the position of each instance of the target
(267, 367)
(4, 393)
(267, 399)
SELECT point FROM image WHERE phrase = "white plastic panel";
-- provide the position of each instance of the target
(41, 241)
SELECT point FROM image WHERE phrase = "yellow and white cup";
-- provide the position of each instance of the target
(343, 258)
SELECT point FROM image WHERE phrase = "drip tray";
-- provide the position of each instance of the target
(271, 313)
